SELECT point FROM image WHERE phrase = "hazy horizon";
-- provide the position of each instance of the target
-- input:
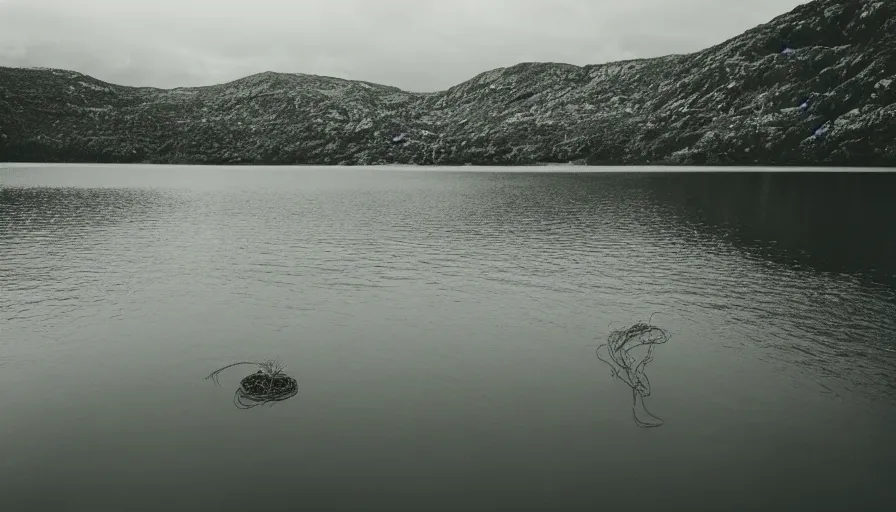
(419, 46)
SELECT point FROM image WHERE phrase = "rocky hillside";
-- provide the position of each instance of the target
(812, 87)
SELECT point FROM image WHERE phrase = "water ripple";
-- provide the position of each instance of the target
(592, 246)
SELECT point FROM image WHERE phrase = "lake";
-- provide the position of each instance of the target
(443, 327)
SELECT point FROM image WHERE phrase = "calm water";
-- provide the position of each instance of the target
(442, 326)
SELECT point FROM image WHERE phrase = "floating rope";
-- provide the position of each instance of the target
(268, 384)
(617, 353)
(259, 389)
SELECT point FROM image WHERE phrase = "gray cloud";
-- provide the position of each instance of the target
(421, 45)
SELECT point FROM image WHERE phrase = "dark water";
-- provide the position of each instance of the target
(442, 327)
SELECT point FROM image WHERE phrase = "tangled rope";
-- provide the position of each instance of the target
(268, 384)
(630, 369)
(259, 389)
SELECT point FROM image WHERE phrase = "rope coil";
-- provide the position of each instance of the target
(269, 384)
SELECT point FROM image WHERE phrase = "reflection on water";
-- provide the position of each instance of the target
(816, 234)
(829, 222)
(439, 324)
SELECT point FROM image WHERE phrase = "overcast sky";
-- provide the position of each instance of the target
(420, 45)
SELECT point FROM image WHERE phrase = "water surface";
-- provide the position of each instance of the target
(443, 329)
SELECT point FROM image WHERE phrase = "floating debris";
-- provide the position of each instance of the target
(269, 384)
(629, 368)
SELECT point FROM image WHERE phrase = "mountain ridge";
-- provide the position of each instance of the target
(814, 86)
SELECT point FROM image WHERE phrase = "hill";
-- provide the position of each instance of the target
(811, 87)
